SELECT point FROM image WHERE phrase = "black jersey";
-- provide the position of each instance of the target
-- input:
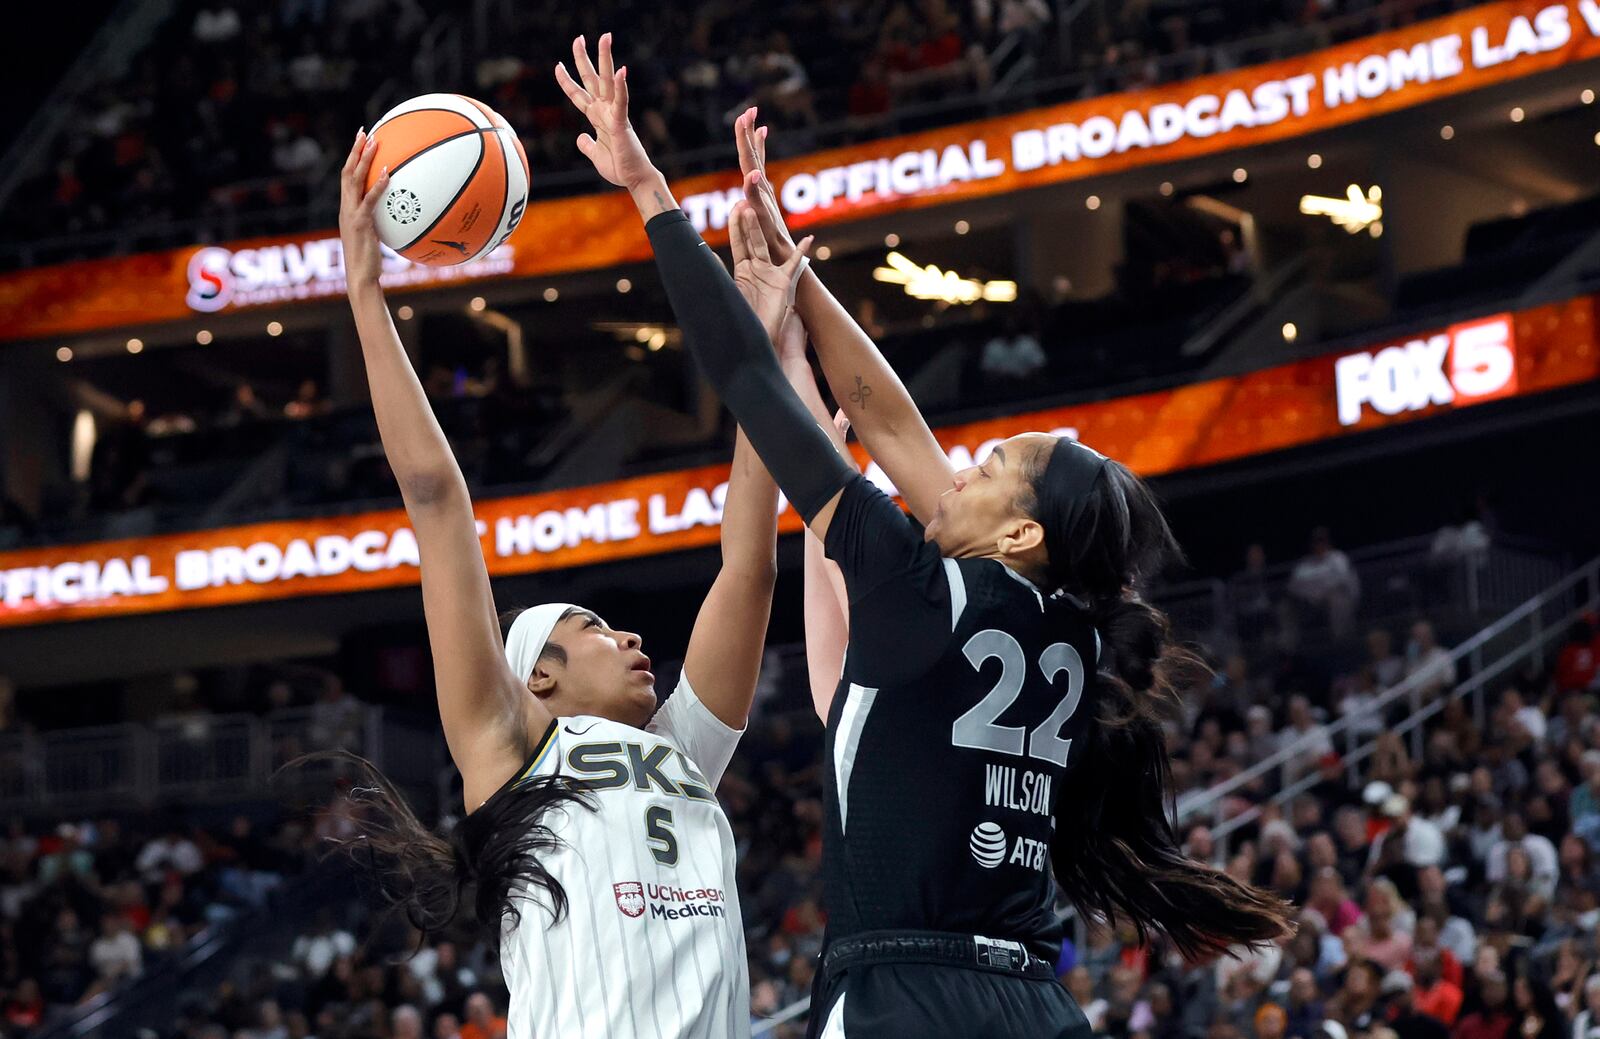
(950, 738)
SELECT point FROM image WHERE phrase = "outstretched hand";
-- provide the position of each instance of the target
(758, 191)
(766, 285)
(602, 97)
(358, 232)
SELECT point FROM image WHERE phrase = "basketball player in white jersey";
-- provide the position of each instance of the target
(593, 838)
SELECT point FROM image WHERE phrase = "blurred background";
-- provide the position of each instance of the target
(1353, 344)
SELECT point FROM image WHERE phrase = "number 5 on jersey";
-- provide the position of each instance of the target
(659, 839)
(978, 730)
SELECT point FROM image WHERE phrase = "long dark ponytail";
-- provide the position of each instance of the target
(483, 868)
(1114, 851)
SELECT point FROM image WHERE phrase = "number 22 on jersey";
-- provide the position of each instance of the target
(978, 728)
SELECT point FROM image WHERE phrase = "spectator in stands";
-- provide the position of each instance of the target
(24, 1008)
(1303, 1008)
(336, 717)
(1012, 354)
(1380, 936)
(1386, 666)
(482, 1022)
(308, 402)
(216, 23)
(1538, 1015)
(1356, 1003)
(1328, 897)
(405, 1022)
(1492, 1019)
(1434, 994)
(316, 952)
(1414, 841)
(1587, 1023)
(243, 407)
(1255, 612)
(1425, 657)
(1543, 865)
(116, 954)
(1325, 581)
(171, 851)
(1306, 734)
(1579, 660)
(1583, 808)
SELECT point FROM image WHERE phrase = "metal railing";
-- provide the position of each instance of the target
(199, 758)
(1526, 631)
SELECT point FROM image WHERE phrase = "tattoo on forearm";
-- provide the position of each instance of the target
(862, 393)
(661, 200)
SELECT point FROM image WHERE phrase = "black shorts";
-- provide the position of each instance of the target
(929, 985)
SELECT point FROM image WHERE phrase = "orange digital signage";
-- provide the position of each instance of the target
(1199, 424)
(1482, 45)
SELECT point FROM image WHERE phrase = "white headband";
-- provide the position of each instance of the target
(528, 635)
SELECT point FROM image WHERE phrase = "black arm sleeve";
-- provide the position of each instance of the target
(733, 351)
(899, 585)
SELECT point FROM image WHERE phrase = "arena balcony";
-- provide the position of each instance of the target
(95, 174)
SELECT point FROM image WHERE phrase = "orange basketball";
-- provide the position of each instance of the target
(458, 179)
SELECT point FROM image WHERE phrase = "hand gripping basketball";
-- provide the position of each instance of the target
(363, 260)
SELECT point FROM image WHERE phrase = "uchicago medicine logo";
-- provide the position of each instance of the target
(630, 897)
(1467, 363)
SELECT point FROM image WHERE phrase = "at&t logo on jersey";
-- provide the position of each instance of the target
(1470, 362)
(988, 845)
(630, 898)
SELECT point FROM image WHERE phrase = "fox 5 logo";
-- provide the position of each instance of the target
(1466, 363)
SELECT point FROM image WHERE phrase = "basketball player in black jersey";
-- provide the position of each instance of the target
(996, 722)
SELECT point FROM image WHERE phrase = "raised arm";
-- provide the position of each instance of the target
(487, 714)
(827, 605)
(722, 328)
(874, 399)
(724, 656)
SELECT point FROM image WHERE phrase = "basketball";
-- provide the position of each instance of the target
(458, 179)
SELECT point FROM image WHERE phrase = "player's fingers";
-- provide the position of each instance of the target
(585, 67)
(744, 142)
(761, 148)
(619, 93)
(758, 241)
(588, 146)
(575, 93)
(369, 202)
(766, 211)
(608, 70)
(358, 176)
(738, 237)
(841, 422)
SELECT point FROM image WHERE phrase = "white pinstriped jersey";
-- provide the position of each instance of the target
(652, 944)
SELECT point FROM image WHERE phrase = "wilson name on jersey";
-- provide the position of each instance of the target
(652, 943)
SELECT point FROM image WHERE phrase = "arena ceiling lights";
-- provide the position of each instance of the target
(931, 283)
(1356, 212)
